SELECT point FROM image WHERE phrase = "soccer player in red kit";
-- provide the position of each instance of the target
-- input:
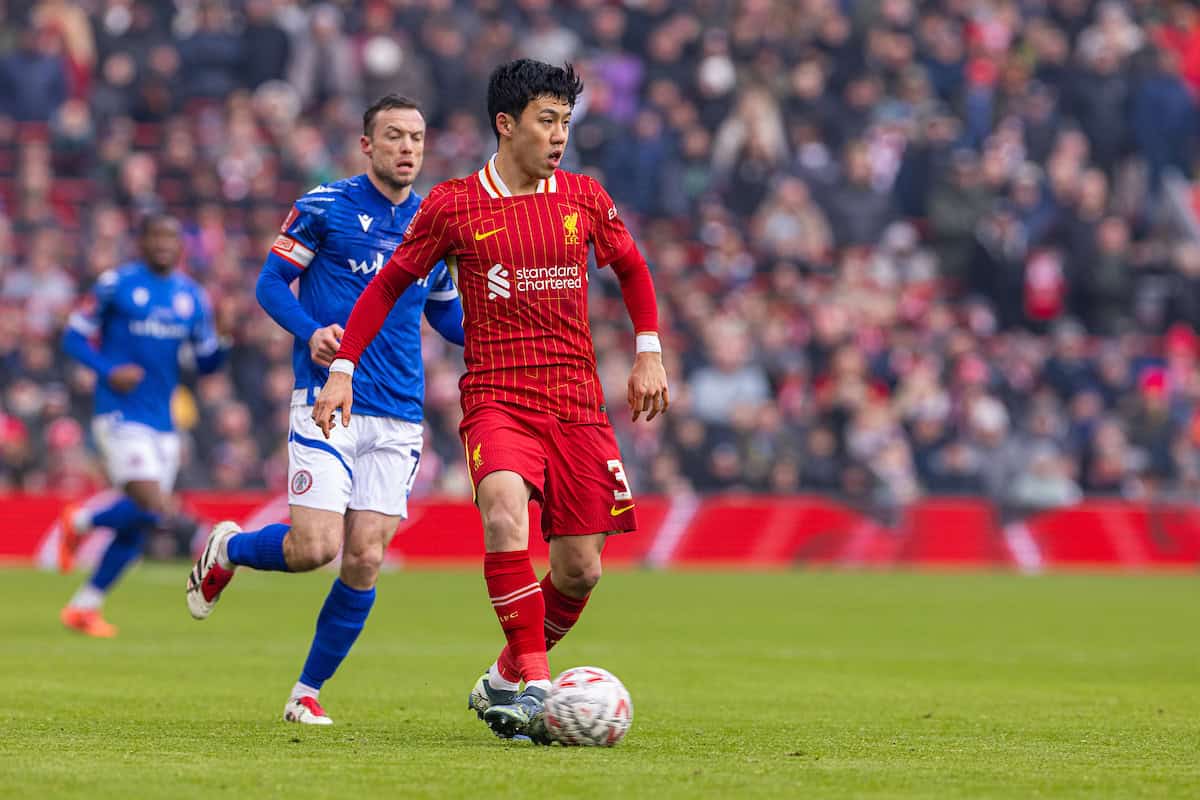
(516, 234)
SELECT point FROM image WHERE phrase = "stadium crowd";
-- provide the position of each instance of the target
(900, 248)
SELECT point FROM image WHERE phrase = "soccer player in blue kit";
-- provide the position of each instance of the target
(349, 491)
(130, 330)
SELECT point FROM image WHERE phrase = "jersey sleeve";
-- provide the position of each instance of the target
(303, 231)
(87, 318)
(609, 236)
(441, 285)
(428, 239)
(426, 242)
(204, 332)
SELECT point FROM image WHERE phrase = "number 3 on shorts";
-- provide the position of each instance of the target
(618, 471)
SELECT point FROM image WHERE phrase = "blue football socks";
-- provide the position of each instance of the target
(341, 620)
(124, 513)
(122, 551)
(261, 549)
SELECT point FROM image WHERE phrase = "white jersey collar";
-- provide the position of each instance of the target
(489, 177)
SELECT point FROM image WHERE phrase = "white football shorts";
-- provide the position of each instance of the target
(136, 452)
(370, 466)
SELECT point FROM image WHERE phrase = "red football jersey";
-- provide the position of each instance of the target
(520, 263)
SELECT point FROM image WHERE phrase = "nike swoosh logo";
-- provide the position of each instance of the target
(479, 237)
(616, 512)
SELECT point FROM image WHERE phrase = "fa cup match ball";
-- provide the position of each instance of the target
(588, 707)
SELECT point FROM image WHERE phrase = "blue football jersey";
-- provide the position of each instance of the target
(341, 234)
(143, 318)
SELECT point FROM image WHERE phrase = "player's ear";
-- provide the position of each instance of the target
(364, 144)
(505, 123)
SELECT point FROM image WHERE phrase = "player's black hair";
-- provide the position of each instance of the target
(153, 218)
(386, 103)
(515, 84)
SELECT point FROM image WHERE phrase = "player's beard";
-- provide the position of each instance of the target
(392, 182)
(389, 179)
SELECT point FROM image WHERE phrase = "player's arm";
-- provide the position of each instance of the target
(210, 348)
(293, 250)
(425, 243)
(647, 388)
(443, 308)
(82, 332)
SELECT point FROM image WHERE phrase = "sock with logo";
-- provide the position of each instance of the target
(517, 599)
(261, 549)
(562, 612)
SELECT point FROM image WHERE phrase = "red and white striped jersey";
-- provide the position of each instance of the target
(520, 263)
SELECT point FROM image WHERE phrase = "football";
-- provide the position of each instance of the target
(588, 707)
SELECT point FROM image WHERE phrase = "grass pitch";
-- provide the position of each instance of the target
(744, 685)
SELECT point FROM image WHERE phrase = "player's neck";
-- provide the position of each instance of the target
(395, 194)
(515, 178)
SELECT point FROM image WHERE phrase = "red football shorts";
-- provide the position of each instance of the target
(574, 468)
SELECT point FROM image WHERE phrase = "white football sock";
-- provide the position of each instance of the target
(496, 680)
(304, 690)
(543, 685)
(81, 521)
(88, 597)
(224, 562)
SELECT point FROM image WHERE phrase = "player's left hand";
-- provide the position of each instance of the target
(648, 386)
(324, 344)
(338, 392)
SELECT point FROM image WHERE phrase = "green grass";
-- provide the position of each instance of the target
(744, 685)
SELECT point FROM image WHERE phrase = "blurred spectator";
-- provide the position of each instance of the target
(211, 55)
(733, 383)
(899, 248)
(264, 45)
(33, 77)
(858, 210)
(956, 207)
(1164, 119)
(324, 66)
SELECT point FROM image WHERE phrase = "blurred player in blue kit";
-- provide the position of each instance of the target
(349, 491)
(130, 329)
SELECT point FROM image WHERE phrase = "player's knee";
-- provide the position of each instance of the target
(360, 567)
(503, 527)
(311, 551)
(579, 578)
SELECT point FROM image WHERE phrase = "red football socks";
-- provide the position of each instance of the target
(517, 599)
(562, 612)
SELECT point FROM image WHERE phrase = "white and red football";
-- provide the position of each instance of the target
(588, 707)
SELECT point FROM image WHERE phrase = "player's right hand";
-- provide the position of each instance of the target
(338, 392)
(125, 378)
(323, 344)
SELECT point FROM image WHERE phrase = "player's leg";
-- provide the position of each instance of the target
(503, 500)
(311, 541)
(344, 613)
(130, 527)
(76, 522)
(144, 463)
(575, 569)
(390, 452)
(319, 486)
(129, 453)
(506, 461)
(586, 491)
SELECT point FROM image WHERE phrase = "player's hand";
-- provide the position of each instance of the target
(324, 343)
(125, 378)
(338, 392)
(648, 386)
